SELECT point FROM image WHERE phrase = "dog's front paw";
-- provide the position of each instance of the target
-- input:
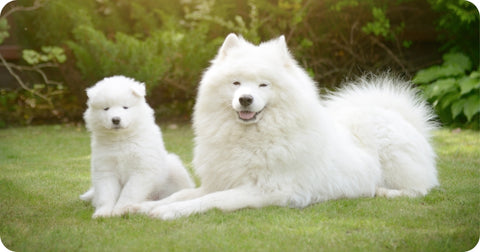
(144, 207)
(171, 211)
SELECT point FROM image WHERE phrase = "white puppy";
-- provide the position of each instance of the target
(129, 160)
(264, 137)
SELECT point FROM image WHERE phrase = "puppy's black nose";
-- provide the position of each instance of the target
(116, 120)
(245, 100)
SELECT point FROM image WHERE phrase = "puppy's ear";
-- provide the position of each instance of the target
(139, 90)
(230, 42)
(282, 43)
(91, 91)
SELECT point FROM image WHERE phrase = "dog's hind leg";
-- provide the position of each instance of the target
(392, 193)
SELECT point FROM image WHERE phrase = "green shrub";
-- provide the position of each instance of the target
(167, 44)
(169, 61)
(453, 90)
(458, 27)
(98, 57)
(37, 96)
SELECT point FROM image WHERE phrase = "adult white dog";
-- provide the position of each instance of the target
(264, 137)
(129, 161)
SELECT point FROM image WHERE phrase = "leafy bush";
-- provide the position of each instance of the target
(97, 56)
(167, 44)
(169, 61)
(458, 27)
(453, 90)
(36, 95)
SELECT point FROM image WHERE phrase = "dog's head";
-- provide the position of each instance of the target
(258, 83)
(114, 103)
(244, 76)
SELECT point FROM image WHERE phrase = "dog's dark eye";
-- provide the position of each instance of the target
(107, 108)
(125, 107)
(236, 83)
(263, 85)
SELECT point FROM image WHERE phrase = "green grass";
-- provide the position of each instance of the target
(44, 169)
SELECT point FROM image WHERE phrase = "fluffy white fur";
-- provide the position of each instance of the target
(129, 161)
(264, 137)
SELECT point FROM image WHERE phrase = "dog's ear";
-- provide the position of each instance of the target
(282, 46)
(139, 90)
(230, 42)
(282, 43)
(91, 91)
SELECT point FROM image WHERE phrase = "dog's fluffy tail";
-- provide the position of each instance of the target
(389, 93)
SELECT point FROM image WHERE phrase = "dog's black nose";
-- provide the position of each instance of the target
(116, 120)
(245, 100)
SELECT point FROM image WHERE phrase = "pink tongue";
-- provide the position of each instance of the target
(246, 115)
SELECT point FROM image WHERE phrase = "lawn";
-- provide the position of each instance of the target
(44, 169)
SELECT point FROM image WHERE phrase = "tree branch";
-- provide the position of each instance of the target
(394, 57)
(21, 83)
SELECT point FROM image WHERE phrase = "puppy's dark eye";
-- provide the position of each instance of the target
(263, 85)
(107, 108)
(236, 83)
(125, 107)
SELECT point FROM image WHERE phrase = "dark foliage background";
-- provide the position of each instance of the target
(167, 44)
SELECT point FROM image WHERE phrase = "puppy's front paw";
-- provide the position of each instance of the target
(119, 211)
(102, 213)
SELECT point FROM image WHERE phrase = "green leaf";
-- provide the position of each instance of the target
(441, 87)
(472, 106)
(306, 43)
(380, 25)
(46, 49)
(61, 58)
(38, 86)
(437, 72)
(467, 84)
(457, 107)
(58, 54)
(457, 59)
(407, 43)
(448, 99)
(454, 64)
(31, 56)
(475, 74)
(426, 75)
(44, 58)
(4, 29)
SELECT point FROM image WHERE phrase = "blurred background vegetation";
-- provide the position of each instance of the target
(51, 50)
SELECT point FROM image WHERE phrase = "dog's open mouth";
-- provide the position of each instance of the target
(248, 116)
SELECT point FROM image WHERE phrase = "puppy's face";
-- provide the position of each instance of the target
(113, 116)
(114, 104)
